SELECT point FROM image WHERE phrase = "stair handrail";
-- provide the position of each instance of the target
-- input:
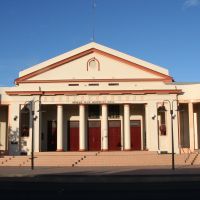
(189, 152)
(193, 161)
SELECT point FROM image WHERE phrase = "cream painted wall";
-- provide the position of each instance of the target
(191, 92)
(13, 133)
(109, 69)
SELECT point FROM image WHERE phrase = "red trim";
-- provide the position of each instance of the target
(133, 64)
(84, 53)
(12, 93)
(54, 65)
(98, 80)
(24, 93)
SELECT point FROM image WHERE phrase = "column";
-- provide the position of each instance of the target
(191, 125)
(127, 136)
(37, 127)
(195, 131)
(59, 128)
(82, 128)
(104, 127)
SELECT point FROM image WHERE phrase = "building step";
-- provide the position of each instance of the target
(99, 159)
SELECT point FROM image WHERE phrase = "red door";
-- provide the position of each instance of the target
(94, 135)
(135, 134)
(51, 136)
(114, 135)
(73, 140)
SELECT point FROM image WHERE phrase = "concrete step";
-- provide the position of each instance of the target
(98, 159)
(128, 153)
(66, 153)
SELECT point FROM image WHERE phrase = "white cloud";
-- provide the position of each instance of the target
(191, 3)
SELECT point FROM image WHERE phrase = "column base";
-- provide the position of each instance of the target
(104, 150)
(127, 150)
(60, 150)
(82, 150)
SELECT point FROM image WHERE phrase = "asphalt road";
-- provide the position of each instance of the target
(27, 189)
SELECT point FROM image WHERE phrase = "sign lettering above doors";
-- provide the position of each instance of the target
(93, 102)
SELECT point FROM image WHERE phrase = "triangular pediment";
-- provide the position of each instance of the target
(91, 64)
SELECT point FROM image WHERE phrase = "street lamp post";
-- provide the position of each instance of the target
(33, 118)
(32, 141)
(171, 105)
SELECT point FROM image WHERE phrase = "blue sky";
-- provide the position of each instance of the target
(163, 32)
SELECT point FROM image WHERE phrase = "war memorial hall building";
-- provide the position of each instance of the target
(94, 98)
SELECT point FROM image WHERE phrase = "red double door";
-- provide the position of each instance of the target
(73, 135)
(135, 129)
(94, 135)
(114, 135)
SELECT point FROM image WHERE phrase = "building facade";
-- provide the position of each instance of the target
(95, 98)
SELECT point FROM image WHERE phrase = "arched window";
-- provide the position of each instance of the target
(24, 122)
(93, 64)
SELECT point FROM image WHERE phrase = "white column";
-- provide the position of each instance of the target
(127, 136)
(195, 131)
(82, 128)
(191, 125)
(59, 128)
(37, 127)
(104, 127)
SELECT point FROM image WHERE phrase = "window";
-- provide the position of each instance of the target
(24, 122)
(113, 111)
(93, 111)
(73, 84)
(93, 64)
(162, 122)
(93, 84)
(113, 84)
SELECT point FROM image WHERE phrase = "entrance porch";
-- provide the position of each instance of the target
(112, 127)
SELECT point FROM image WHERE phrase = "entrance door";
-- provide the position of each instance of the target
(94, 135)
(114, 135)
(73, 140)
(51, 136)
(135, 134)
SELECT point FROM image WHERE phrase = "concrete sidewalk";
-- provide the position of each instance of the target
(100, 174)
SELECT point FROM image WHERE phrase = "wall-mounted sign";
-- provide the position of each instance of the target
(93, 102)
